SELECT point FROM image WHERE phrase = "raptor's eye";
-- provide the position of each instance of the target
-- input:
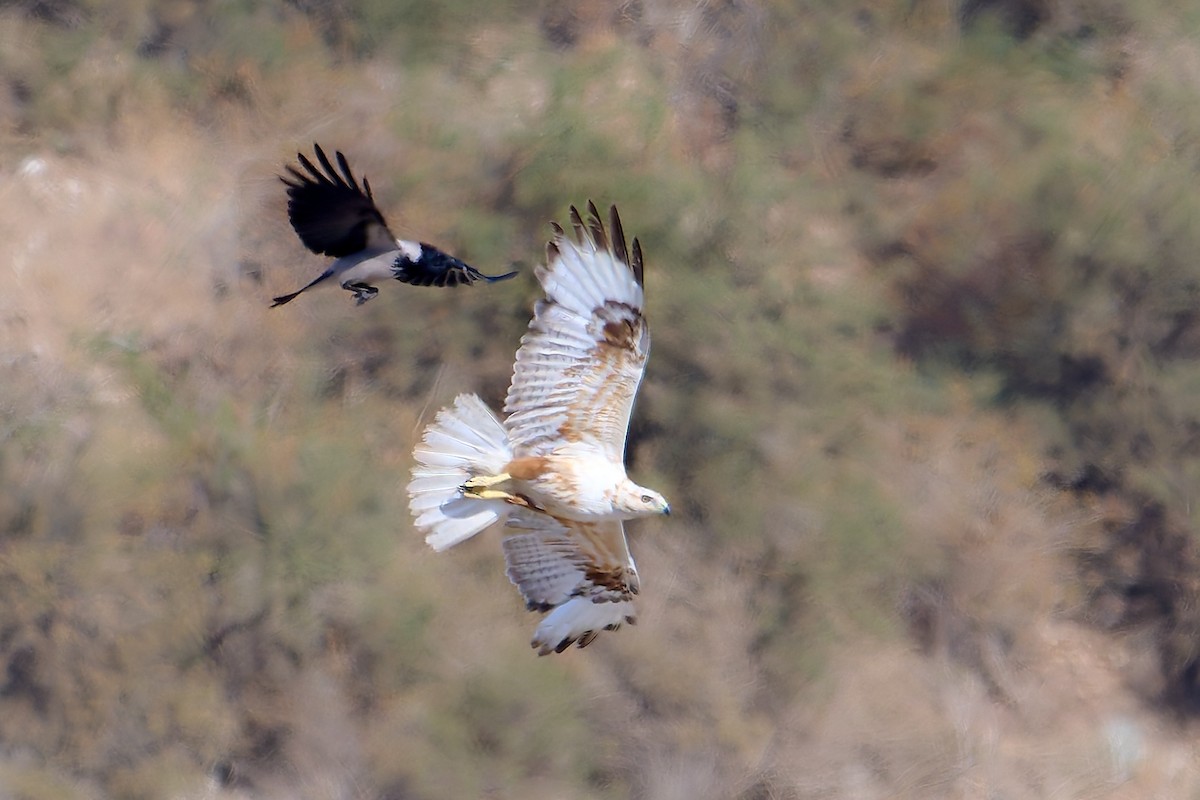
(646, 498)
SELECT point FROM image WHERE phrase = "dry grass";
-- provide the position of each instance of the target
(210, 583)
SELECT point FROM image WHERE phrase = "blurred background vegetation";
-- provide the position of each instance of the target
(923, 285)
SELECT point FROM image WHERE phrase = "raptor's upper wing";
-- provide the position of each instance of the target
(581, 361)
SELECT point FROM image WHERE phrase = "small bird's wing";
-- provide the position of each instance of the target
(580, 572)
(580, 363)
(433, 267)
(330, 212)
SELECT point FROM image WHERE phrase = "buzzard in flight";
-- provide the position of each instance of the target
(554, 468)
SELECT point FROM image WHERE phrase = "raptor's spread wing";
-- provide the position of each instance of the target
(580, 572)
(581, 361)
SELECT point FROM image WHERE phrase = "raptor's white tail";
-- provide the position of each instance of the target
(464, 440)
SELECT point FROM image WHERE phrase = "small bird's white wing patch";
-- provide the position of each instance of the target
(581, 361)
(582, 573)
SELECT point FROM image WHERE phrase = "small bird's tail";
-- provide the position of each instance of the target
(287, 298)
(464, 440)
(493, 278)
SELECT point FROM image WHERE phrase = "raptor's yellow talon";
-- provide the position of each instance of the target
(489, 494)
(484, 481)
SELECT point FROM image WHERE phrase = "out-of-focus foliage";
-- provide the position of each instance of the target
(921, 283)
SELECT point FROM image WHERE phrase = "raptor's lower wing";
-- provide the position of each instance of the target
(580, 572)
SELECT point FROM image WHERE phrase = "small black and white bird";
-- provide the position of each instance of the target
(336, 217)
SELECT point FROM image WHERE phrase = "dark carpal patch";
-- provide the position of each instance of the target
(611, 580)
(622, 325)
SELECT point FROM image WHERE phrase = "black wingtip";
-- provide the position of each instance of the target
(325, 162)
(577, 224)
(617, 236)
(596, 227)
(612, 239)
(330, 210)
(636, 263)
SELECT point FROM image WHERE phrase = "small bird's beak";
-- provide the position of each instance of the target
(666, 511)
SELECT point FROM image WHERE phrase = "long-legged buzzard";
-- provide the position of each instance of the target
(553, 470)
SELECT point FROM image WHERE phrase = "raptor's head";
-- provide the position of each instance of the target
(638, 501)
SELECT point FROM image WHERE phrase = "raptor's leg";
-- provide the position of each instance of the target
(483, 481)
(479, 486)
(498, 494)
(494, 494)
